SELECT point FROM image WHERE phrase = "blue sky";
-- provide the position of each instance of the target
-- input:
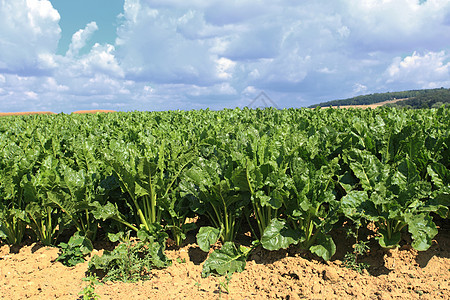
(74, 15)
(125, 55)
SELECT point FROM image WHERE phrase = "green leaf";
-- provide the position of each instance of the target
(155, 232)
(158, 257)
(84, 243)
(131, 261)
(388, 242)
(347, 181)
(278, 235)
(267, 201)
(352, 203)
(106, 211)
(185, 228)
(409, 171)
(115, 237)
(226, 260)
(206, 237)
(324, 246)
(412, 194)
(367, 168)
(198, 176)
(439, 174)
(239, 179)
(75, 250)
(441, 202)
(422, 229)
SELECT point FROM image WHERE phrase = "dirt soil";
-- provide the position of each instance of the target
(31, 272)
(93, 111)
(375, 105)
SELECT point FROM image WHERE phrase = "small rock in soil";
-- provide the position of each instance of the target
(331, 275)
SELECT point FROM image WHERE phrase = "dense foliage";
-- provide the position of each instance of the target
(291, 176)
(426, 98)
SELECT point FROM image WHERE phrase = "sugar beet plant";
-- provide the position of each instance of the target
(289, 176)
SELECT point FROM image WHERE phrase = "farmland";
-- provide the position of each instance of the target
(305, 188)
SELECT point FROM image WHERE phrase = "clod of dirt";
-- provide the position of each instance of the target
(331, 275)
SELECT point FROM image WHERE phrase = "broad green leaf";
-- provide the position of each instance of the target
(387, 241)
(413, 194)
(439, 174)
(347, 181)
(159, 258)
(199, 177)
(422, 229)
(441, 202)
(239, 179)
(409, 171)
(155, 232)
(78, 240)
(278, 235)
(106, 211)
(352, 204)
(225, 260)
(367, 168)
(207, 236)
(323, 246)
(265, 200)
(116, 237)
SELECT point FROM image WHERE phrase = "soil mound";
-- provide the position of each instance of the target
(402, 273)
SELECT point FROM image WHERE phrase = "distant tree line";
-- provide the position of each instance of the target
(429, 100)
(416, 99)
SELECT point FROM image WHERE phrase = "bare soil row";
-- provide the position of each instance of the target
(33, 273)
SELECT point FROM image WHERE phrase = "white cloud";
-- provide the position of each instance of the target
(100, 60)
(393, 25)
(47, 61)
(235, 11)
(172, 54)
(29, 29)
(104, 85)
(80, 38)
(223, 89)
(31, 95)
(51, 84)
(359, 88)
(429, 70)
(300, 50)
(225, 68)
(151, 47)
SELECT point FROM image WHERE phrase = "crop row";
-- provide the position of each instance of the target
(292, 175)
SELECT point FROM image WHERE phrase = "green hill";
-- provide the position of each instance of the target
(415, 99)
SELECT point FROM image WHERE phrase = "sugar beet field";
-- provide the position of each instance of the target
(238, 203)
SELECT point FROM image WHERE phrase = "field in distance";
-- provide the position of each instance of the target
(52, 113)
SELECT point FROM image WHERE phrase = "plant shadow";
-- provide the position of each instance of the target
(196, 255)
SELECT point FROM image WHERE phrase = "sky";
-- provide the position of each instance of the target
(127, 55)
